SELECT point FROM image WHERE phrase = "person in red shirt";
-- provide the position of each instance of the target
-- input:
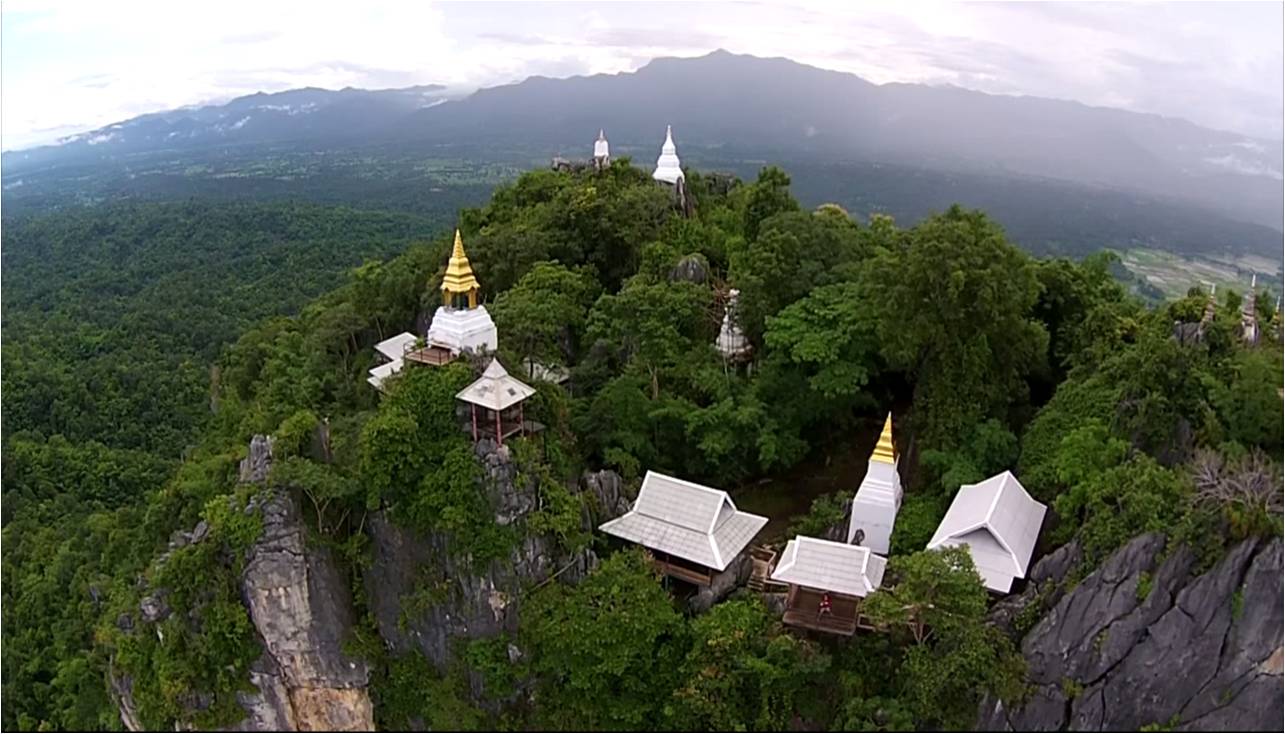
(824, 607)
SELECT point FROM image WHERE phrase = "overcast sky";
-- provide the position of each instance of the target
(73, 66)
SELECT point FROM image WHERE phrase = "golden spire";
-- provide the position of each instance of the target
(884, 450)
(459, 278)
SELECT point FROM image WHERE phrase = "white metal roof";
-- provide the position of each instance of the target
(383, 372)
(496, 389)
(687, 520)
(1004, 513)
(394, 347)
(830, 566)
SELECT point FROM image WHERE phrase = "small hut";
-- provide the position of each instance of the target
(692, 531)
(818, 570)
(999, 523)
(500, 397)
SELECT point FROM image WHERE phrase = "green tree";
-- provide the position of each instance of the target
(545, 313)
(741, 672)
(956, 657)
(768, 196)
(589, 643)
(954, 315)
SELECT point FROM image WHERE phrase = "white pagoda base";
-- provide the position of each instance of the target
(874, 509)
(463, 330)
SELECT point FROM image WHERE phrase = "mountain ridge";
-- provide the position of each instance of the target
(733, 101)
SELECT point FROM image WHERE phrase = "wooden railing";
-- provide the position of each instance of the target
(683, 573)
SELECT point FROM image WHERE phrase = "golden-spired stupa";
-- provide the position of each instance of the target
(459, 279)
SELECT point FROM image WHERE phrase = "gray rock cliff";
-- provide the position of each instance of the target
(301, 608)
(426, 595)
(1144, 640)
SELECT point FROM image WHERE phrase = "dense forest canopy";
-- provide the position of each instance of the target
(989, 358)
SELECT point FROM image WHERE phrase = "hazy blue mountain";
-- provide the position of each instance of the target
(309, 116)
(725, 109)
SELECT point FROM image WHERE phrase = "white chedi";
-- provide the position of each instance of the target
(731, 340)
(878, 499)
(600, 148)
(668, 168)
(463, 330)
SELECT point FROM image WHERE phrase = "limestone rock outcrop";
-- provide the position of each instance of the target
(1145, 640)
(427, 595)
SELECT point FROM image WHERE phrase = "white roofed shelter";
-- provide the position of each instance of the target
(692, 530)
(878, 499)
(999, 523)
(497, 393)
(827, 582)
(668, 168)
(395, 347)
(392, 349)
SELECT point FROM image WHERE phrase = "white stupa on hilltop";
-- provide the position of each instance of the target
(461, 323)
(601, 151)
(668, 168)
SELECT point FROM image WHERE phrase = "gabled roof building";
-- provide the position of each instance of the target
(999, 523)
(692, 530)
(827, 583)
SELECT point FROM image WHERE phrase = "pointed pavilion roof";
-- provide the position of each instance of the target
(496, 389)
(459, 274)
(884, 451)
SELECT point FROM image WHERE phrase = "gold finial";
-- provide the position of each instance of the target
(884, 450)
(459, 279)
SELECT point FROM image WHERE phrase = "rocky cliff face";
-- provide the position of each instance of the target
(301, 608)
(425, 594)
(1145, 641)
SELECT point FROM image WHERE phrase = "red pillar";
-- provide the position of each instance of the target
(499, 437)
(521, 421)
(474, 407)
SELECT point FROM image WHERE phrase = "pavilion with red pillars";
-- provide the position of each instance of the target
(496, 400)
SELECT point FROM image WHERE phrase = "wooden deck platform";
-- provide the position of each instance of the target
(432, 355)
(802, 611)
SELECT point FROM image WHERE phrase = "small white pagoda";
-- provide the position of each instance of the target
(460, 324)
(668, 168)
(875, 506)
(731, 342)
(1248, 317)
(601, 152)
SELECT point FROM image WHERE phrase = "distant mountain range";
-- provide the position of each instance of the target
(728, 107)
